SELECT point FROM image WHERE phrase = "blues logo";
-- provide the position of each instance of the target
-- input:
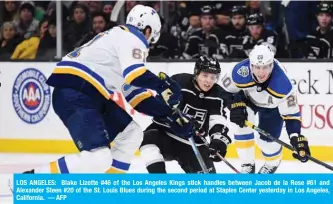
(31, 96)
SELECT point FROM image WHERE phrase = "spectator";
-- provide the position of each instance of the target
(258, 34)
(319, 41)
(207, 41)
(94, 6)
(235, 36)
(8, 41)
(78, 26)
(27, 49)
(10, 11)
(107, 8)
(100, 23)
(47, 48)
(51, 8)
(222, 16)
(43, 26)
(26, 24)
(253, 7)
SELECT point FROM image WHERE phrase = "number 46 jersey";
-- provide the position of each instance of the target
(276, 92)
(111, 59)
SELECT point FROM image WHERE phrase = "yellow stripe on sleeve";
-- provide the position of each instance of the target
(85, 76)
(135, 74)
(139, 98)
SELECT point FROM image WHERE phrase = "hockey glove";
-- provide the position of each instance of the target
(181, 125)
(218, 144)
(238, 113)
(170, 91)
(301, 145)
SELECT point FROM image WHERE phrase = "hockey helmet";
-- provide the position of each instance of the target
(207, 64)
(261, 56)
(324, 7)
(255, 19)
(144, 17)
(238, 10)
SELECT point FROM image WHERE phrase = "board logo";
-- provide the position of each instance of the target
(31, 96)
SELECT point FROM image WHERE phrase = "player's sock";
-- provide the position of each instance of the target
(245, 146)
(118, 167)
(272, 153)
(94, 161)
(153, 158)
(158, 167)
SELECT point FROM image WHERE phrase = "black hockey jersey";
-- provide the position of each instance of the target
(267, 36)
(212, 45)
(318, 45)
(234, 40)
(207, 108)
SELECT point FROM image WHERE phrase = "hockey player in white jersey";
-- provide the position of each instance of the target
(83, 84)
(262, 86)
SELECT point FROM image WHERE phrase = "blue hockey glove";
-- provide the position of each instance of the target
(170, 91)
(181, 125)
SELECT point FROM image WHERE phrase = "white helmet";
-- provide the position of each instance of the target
(142, 16)
(261, 55)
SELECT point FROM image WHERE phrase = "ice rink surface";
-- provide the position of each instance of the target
(16, 163)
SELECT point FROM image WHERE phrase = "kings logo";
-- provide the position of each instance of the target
(31, 96)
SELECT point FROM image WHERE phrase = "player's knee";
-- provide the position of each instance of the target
(150, 153)
(97, 160)
(127, 143)
(269, 147)
(133, 133)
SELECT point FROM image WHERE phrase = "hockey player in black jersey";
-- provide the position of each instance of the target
(258, 34)
(319, 42)
(234, 38)
(209, 40)
(204, 102)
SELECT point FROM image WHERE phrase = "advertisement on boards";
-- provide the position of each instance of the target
(26, 100)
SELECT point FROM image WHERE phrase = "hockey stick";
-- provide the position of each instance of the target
(227, 163)
(222, 158)
(195, 149)
(252, 126)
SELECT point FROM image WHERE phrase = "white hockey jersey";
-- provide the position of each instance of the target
(279, 93)
(109, 60)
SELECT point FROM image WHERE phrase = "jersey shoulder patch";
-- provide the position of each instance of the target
(241, 75)
(280, 85)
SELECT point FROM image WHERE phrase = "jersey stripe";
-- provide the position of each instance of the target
(295, 116)
(137, 96)
(245, 85)
(133, 71)
(77, 69)
(135, 31)
(275, 94)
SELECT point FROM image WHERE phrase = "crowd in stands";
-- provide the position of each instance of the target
(221, 29)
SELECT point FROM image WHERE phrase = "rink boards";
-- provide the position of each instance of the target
(28, 123)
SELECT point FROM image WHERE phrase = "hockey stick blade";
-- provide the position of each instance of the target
(252, 126)
(195, 148)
